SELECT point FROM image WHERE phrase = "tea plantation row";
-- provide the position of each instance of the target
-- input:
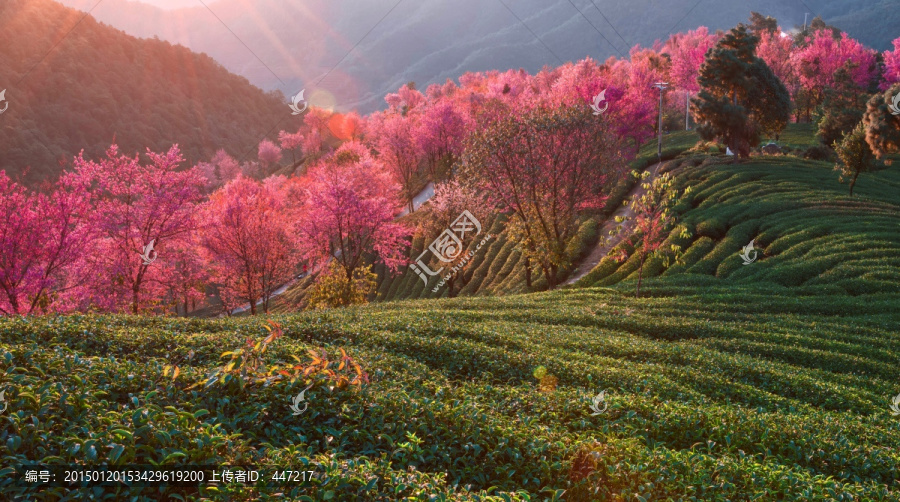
(722, 392)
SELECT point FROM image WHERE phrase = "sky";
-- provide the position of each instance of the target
(172, 4)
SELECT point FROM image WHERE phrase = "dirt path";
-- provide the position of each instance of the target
(420, 198)
(606, 243)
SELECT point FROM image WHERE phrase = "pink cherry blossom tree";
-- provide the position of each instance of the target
(269, 153)
(247, 241)
(136, 207)
(544, 167)
(221, 169)
(450, 199)
(41, 240)
(687, 51)
(407, 99)
(290, 142)
(891, 66)
(347, 212)
(816, 63)
(397, 150)
(312, 144)
(185, 275)
(440, 134)
(778, 53)
(636, 115)
(578, 83)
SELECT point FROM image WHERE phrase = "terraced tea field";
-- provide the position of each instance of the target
(807, 230)
(723, 381)
(713, 392)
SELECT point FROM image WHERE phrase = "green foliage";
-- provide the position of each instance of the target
(882, 126)
(653, 214)
(334, 289)
(800, 135)
(713, 228)
(810, 234)
(818, 152)
(854, 155)
(842, 108)
(740, 97)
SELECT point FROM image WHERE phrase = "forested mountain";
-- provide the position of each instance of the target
(292, 44)
(875, 23)
(73, 83)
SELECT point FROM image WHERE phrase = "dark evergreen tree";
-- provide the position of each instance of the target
(740, 97)
(760, 23)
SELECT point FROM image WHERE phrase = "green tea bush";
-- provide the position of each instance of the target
(713, 228)
(819, 152)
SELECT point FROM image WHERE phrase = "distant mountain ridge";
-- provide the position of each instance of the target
(73, 83)
(290, 45)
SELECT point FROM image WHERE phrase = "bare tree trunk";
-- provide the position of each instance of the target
(734, 152)
(640, 274)
(527, 271)
(550, 274)
(853, 182)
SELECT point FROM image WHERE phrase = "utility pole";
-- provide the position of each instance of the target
(662, 87)
(805, 14)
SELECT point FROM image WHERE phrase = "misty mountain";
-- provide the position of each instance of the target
(349, 54)
(73, 83)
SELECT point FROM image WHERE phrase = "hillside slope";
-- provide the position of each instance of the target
(73, 83)
(802, 198)
(809, 233)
